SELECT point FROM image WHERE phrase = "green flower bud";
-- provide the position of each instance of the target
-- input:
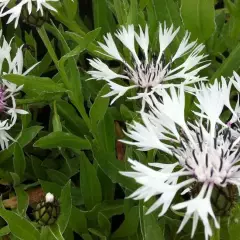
(223, 199)
(47, 211)
(35, 19)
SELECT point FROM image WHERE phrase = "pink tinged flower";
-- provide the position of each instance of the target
(8, 91)
(151, 73)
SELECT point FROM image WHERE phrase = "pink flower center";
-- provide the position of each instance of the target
(2, 99)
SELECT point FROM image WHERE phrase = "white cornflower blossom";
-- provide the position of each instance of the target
(151, 73)
(206, 156)
(16, 10)
(234, 122)
(212, 99)
(8, 90)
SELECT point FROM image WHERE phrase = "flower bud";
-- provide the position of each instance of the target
(47, 211)
(223, 199)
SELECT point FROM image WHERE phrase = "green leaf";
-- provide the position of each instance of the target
(57, 177)
(70, 8)
(106, 133)
(97, 233)
(198, 17)
(231, 64)
(26, 136)
(35, 85)
(42, 33)
(56, 232)
(107, 22)
(4, 231)
(71, 118)
(163, 11)
(39, 171)
(104, 224)
(56, 190)
(62, 139)
(51, 187)
(150, 227)
(66, 207)
(57, 126)
(46, 234)
(15, 178)
(43, 66)
(19, 226)
(68, 234)
(78, 221)
(86, 42)
(120, 11)
(19, 161)
(107, 186)
(166, 10)
(44, 98)
(22, 200)
(112, 167)
(234, 224)
(127, 114)
(70, 74)
(99, 106)
(108, 208)
(86, 236)
(133, 12)
(129, 225)
(90, 185)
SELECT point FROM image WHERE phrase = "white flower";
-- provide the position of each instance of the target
(152, 73)
(212, 99)
(4, 139)
(194, 210)
(235, 117)
(8, 90)
(15, 11)
(210, 161)
(234, 122)
(49, 197)
(236, 81)
(171, 104)
(144, 137)
(206, 156)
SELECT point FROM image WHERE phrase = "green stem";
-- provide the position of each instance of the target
(216, 231)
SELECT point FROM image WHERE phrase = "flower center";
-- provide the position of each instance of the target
(210, 159)
(2, 99)
(149, 74)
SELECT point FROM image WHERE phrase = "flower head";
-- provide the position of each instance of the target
(8, 90)
(16, 11)
(206, 155)
(218, 95)
(152, 72)
(234, 122)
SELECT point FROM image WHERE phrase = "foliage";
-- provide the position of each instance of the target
(68, 141)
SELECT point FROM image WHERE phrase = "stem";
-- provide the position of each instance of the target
(82, 111)
(216, 231)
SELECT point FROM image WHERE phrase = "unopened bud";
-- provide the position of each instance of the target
(49, 197)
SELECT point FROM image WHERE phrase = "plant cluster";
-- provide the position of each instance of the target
(119, 119)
